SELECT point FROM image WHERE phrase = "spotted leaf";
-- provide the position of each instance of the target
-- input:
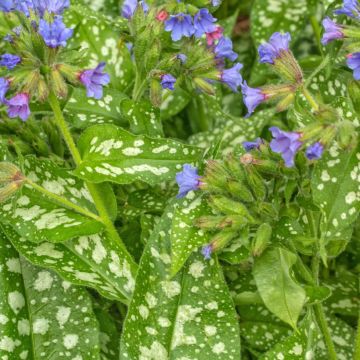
(112, 154)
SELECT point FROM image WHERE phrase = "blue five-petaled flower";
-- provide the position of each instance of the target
(9, 61)
(232, 77)
(94, 80)
(204, 22)
(180, 25)
(55, 34)
(314, 151)
(188, 180)
(353, 62)
(273, 49)
(252, 97)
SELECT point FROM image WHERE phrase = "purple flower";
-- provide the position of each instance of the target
(7, 5)
(129, 7)
(188, 180)
(9, 60)
(182, 58)
(286, 144)
(314, 151)
(223, 49)
(204, 22)
(180, 25)
(207, 251)
(51, 6)
(55, 34)
(272, 50)
(252, 97)
(4, 87)
(94, 80)
(168, 81)
(353, 62)
(350, 8)
(232, 77)
(215, 2)
(250, 145)
(18, 106)
(24, 6)
(332, 31)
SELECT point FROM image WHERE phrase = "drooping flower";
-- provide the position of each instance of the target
(4, 87)
(18, 106)
(332, 31)
(51, 6)
(7, 5)
(204, 22)
(250, 145)
(182, 58)
(206, 251)
(55, 34)
(350, 8)
(215, 35)
(285, 143)
(353, 62)
(223, 49)
(129, 7)
(168, 81)
(187, 179)
(24, 6)
(252, 97)
(232, 77)
(94, 80)
(271, 50)
(180, 25)
(9, 61)
(314, 151)
(162, 15)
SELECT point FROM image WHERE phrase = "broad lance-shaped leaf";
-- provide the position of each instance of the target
(189, 316)
(95, 261)
(280, 293)
(39, 218)
(42, 316)
(335, 188)
(110, 153)
(185, 236)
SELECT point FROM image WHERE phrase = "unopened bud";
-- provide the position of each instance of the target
(11, 178)
(58, 84)
(256, 182)
(239, 190)
(155, 92)
(221, 240)
(347, 136)
(262, 239)
(204, 85)
(328, 135)
(235, 168)
(216, 174)
(230, 207)
(267, 210)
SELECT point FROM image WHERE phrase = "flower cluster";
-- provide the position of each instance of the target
(334, 31)
(26, 74)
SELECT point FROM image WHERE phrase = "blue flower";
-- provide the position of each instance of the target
(250, 145)
(252, 97)
(94, 80)
(24, 6)
(168, 81)
(232, 77)
(350, 8)
(180, 25)
(285, 143)
(223, 49)
(182, 58)
(7, 5)
(314, 151)
(18, 106)
(129, 7)
(353, 62)
(188, 180)
(4, 87)
(206, 251)
(51, 6)
(272, 50)
(204, 22)
(332, 31)
(10, 61)
(215, 2)
(55, 34)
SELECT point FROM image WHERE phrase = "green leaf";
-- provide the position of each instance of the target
(280, 293)
(185, 236)
(39, 218)
(335, 188)
(94, 261)
(143, 117)
(110, 153)
(238, 250)
(268, 16)
(173, 103)
(82, 111)
(190, 316)
(41, 315)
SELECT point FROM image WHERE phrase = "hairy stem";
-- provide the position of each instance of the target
(357, 341)
(310, 99)
(93, 188)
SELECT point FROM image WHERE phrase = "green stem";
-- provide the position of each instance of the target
(310, 99)
(93, 188)
(317, 32)
(320, 314)
(63, 201)
(357, 341)
(139, 87)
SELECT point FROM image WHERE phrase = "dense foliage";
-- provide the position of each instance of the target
(179, 179)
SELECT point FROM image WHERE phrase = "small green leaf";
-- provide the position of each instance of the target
(280, 293)
(110, 153)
